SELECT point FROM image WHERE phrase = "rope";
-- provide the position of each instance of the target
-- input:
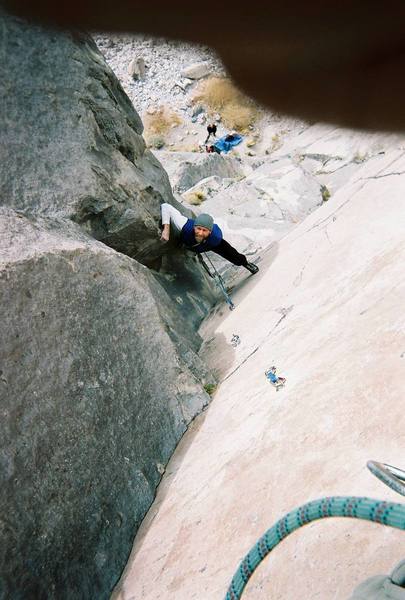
(218, 280)
(386, 513)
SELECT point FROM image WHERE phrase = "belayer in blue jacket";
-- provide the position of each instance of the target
(200, 235)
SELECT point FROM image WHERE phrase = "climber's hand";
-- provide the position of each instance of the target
(165, 236)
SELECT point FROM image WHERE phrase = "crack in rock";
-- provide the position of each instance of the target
(284, 312)
(385, 175)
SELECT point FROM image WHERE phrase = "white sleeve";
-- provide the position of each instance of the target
(170, 214)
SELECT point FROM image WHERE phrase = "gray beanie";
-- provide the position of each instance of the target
(204, 220)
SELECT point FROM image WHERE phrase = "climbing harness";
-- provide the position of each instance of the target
(386, 513)
(218, 279)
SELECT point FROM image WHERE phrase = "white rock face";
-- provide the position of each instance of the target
(187, 169)
(271, 193)
(333, 154)
(327, 309)
(197, 70)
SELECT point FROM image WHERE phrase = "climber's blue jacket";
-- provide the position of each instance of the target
(188, 239)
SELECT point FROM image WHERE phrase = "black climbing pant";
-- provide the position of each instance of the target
(227, 251)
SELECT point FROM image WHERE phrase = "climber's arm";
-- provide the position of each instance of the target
(170, 215)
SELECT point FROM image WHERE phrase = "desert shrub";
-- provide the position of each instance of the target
(360, 157)
(219, 95)
(214, 93)
(195, 197)
(325, 193)
(157, 125)
(210, 388)
(156, 141)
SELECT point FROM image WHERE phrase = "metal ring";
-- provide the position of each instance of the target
(391, 476)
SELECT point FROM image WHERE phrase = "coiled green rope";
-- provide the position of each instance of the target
(386, 513)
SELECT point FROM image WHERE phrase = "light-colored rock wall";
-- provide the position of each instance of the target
(187, 168)
(327, 310)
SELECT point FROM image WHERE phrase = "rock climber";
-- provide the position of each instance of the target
(200, 235)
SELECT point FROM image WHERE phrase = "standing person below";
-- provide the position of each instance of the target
(200, 235)
(212, 130)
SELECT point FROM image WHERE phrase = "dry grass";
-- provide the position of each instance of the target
(195, 198)
(158, 124)
(216, 92)
(238, 118)
(219, 95)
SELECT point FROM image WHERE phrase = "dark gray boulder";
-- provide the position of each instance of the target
(99, 372)
(74, 141)
(94, 396)
(71, 146)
